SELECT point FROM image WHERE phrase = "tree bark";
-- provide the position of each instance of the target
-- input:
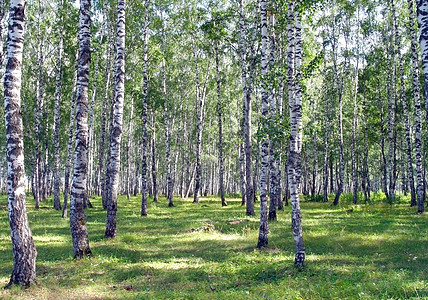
(246, 89)
(417, 93)
(296, 130)
(24, 251)
(70, 140)
(79, 232)
(264, 179)
(57, 116)
(145, 86)
(116, 133)
(220, 128)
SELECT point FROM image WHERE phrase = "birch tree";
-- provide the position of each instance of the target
(296, 130)
(79, 232)
(116, 133)
(24, 251)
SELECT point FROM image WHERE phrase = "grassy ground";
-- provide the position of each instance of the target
(190, 251)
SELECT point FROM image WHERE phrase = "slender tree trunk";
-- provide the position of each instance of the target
(220, 128)
(101, 153)
(128, 151)
(24, 251)
(79, 231)
(242, 173)
(170, 187)
(200, 99)
(144, 114)
(145, 87)
(422, 6)
(57, 116)
(296, 130)
(116, 133)
(273, 179)
(246, 88)
(153, 164)
(70, 140)
(355, 124)
(264, 179)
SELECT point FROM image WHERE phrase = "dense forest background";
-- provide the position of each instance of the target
(253, 99)
(357, 66)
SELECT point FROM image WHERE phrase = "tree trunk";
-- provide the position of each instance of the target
(24, 251)
(246, 88)
(264, 179)
(220, 128)
(116, 133)
(79, 231)
(57, 116)
(200, 99)
(273, 178)
(170, 187)
(145, 86)
(422, 12)
(70, 140)
(417, 92)
(296, 130)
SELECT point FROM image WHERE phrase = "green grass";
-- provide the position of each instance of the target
(376, 251)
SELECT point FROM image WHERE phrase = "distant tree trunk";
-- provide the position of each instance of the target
(273, 178)
(366, 173)
(220, 129)
(128, 151)
(296, 130)
(242, 173)
(391, 110)
(170, 185)
(103, 131)
(70, 140)
(264, 179)
(24, 251)
(355, 123)
(57, 116)
(116, 133)
(79, 232)
(153, 164)
(145, 87)
(417, 91)
(39, 125)
(246, 88)
(91, 134)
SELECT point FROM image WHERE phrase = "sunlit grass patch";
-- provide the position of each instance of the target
(205, 251)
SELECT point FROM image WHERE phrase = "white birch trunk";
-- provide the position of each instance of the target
(116, 133)
(24, 251)
(79, 231)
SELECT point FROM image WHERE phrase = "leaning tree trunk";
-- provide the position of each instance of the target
(220, 129)
(116, 133)
(145, 86)
(57, 116)
(296, 130)
(264, 228)
(79, 232)
(24, 251)
(417, 94)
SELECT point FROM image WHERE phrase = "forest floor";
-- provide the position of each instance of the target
(205, 251)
